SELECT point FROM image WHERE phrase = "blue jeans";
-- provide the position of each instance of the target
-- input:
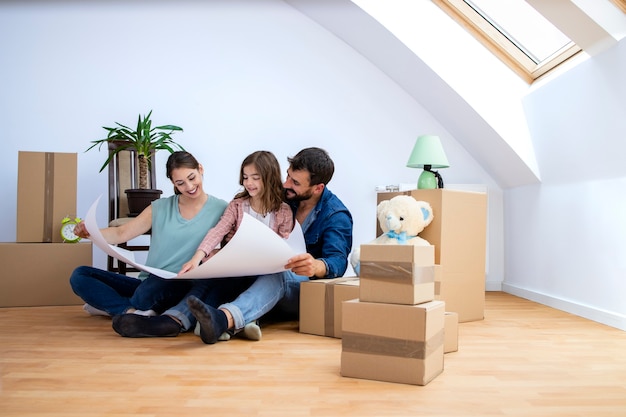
(213, 292)
(116, 293)
(280, 290)
(256, 297)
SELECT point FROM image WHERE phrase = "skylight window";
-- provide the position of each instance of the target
(515, 32)
(513, 19)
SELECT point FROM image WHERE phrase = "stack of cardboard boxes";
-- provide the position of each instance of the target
(395, 331)
(398, 319)
(37, 267)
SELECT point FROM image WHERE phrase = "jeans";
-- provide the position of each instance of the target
(255, 297)
(213, 292)
(116, 293)
(280, 290)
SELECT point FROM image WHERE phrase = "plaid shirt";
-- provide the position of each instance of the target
(281, 222)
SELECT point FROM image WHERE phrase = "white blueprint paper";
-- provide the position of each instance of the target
(255, 249)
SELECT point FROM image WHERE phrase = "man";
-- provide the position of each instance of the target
(327, 227)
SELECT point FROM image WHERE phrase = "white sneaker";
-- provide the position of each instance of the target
(223, 337)
(95, 311)
(252, 331)
(146, 313)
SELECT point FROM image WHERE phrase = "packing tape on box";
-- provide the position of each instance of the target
(48, 197)
(329, 305)
(387, 346)
(400, 272)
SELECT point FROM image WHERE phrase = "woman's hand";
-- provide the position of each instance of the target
(81, 231)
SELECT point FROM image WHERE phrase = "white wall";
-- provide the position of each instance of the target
(246, 75)
(236, 75)
(565, 241)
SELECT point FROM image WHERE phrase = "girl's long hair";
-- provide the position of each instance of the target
(268, 167)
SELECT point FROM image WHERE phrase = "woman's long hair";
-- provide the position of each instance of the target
(180, 159)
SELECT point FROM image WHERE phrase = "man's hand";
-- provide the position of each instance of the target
(306, 265)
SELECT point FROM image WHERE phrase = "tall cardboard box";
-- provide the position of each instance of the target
(321, 302)
(38, 274)
(392, 342)
(459, 234)
(397, 274)
(46, 193)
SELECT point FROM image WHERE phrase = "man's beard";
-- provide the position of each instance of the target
(297, 197)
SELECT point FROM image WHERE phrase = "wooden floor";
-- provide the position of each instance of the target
(524, 359)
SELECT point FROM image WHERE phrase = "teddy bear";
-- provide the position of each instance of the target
(401, 219)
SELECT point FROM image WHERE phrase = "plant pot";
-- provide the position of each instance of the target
(139, 199)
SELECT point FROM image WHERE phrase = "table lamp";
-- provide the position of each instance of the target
(428, 154)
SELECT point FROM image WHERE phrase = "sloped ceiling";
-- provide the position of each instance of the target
(372, 40)
(355, 27)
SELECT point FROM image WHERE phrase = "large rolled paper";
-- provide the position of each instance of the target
(262, 249)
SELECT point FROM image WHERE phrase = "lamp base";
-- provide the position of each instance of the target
(427, 181)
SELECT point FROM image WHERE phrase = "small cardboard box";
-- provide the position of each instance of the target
(451, 332)
(37, 274)
(320, 304)
(46, 193)
(392, 342)
(397, 274)
(459, 234)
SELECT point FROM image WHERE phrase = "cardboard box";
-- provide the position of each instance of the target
(392, 342)
(37, 274)
(46, 193)
(451, 332)
(464, 294)
(459, 234)
(397, 274)
(320, 304)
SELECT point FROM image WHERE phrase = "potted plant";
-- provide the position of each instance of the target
(145, 141)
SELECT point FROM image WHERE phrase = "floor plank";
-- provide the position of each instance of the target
(523, 359)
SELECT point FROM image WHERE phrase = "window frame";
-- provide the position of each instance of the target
(621, 4)
(503, 48)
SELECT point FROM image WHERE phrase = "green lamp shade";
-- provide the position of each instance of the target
(428, 154)
(428, 151)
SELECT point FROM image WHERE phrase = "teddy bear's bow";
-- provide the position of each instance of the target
(402, 237)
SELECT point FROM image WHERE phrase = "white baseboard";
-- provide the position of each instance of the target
(601, 316)
(493, 286)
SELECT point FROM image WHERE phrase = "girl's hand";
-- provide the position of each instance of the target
(187, 266)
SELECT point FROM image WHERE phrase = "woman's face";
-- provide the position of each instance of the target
(252, 180)
(188, 181)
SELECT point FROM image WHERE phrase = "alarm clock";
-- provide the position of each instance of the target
(67, 229)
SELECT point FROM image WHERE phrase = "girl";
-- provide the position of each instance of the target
(262, 198)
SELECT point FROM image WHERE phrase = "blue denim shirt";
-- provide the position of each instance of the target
(328, 233)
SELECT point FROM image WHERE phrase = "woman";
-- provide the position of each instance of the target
(261, 198)
(177, 223)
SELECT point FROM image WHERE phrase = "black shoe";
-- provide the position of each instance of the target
(213, 322)
(133, 325)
